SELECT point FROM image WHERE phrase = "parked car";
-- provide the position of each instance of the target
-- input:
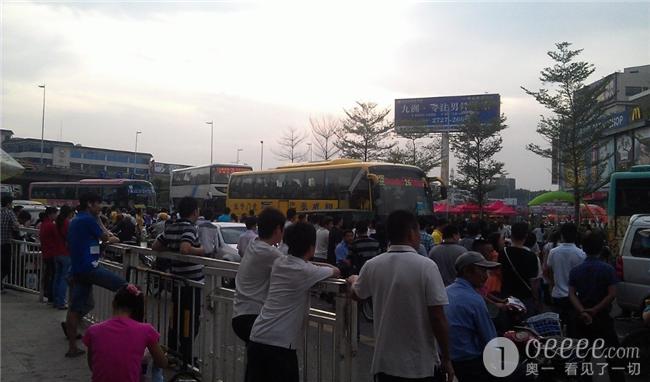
(633, 264)
(228, 237)
(34, 208)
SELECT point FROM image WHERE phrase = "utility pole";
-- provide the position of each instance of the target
(262, 155)
(42, 124)
(211, 123)
(135, 152)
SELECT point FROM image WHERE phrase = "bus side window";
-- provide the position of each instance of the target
(234, 190)
(315, 185)
(70, 192)
(295, 185)
(261, 187)
(247, 187)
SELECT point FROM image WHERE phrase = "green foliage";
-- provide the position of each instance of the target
(289, 146)
(419, 151)
(365, 133)
(474, 146)
(574, 128)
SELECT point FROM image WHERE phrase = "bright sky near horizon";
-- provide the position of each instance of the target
(255, 68)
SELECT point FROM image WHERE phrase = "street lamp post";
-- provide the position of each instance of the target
(42, 124)
(262, 155)
(311, 156)
(238, 151)
(211, 123)
(135, 151)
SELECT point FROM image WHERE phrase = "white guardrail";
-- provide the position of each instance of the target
(215, 352)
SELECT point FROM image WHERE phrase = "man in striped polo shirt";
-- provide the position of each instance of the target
(363, 248)
(182, 236)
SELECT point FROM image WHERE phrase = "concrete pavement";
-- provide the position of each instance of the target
(33, 345)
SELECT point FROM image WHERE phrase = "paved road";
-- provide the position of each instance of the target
(33, 346)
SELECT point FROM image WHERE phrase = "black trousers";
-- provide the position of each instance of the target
(268, 363)
(382, 377)
(185, 321)
(472, 370)
(48, 278)
(242, 325)
(567, 312)
(5, 255)
(602, 327)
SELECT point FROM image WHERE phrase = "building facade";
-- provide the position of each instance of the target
(626, 143)
(67, 157)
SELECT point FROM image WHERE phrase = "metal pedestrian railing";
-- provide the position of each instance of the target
(26, 265)
(200, 334)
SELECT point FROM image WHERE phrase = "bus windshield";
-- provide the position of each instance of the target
(140, 193)
(401, 188)
(632, 196)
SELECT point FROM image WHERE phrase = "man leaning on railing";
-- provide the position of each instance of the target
(84, 236)
(8, 227)
(182, 236)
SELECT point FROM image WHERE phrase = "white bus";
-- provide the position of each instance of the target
(207, 183)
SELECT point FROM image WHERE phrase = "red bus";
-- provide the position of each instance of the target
(121, 193)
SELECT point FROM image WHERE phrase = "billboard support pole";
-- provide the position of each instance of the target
(444, 160)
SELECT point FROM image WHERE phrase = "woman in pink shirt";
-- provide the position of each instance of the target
(116, 346)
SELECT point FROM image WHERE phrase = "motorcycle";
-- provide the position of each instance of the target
(545, 354)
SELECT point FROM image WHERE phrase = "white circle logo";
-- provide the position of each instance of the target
(500, 357)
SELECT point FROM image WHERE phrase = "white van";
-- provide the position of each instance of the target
(34, 208)
(633, 264)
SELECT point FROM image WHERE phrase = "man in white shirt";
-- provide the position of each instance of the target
(208, 233)
(561, 260)
(277, 330)
(408, 296)
(322, 238)
(248, 236)
(252, 280)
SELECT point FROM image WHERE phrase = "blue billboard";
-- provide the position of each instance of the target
(444, 114)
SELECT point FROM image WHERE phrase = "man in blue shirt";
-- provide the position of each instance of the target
(225, 216)
(592, 288)
(84, 236)
(342, 250)
(470, 325)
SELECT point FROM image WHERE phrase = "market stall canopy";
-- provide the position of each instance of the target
(8, 166)
(494, 206)
(553, 196)
(468, 208)
(593, 210)
(504, 211)
(441, 208)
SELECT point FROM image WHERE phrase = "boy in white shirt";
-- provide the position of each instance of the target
(278, 329)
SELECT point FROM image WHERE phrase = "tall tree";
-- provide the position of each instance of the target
(289, 143)
(574, 129)
(324, 130)
(475, 145)
(365, 133)
(418, 151)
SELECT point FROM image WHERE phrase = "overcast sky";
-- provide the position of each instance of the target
(165, 68)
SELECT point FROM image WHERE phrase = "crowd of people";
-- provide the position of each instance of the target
(439, 289)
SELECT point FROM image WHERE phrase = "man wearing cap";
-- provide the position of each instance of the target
(470, 325)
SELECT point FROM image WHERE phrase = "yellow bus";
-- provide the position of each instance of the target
(341, 184)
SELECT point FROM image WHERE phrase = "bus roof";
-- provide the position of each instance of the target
(636, 172)
(213, 165)
(336, 163)
(93, 181)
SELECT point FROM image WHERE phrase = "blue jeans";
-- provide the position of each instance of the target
(60, 282)
(81, 297)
